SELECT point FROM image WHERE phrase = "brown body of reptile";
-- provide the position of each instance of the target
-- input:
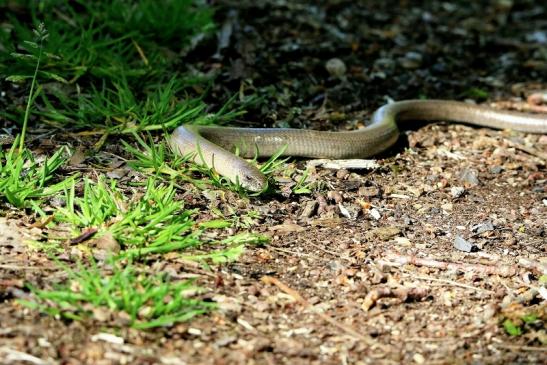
(215, 143)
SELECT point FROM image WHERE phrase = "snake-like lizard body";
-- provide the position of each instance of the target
(211, 145)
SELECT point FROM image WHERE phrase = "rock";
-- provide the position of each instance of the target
(309, 209)
(336, 67)
(368, 191)
(469, 177)
(483, 227)
(108, 243)
(463, 245)
(496, 169)
(456, 191)
(335, 265)
(384, 233)
(411, 60)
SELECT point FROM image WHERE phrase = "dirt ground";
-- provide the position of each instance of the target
(336, 284)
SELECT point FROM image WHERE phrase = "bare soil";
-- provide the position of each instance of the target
(327, 289)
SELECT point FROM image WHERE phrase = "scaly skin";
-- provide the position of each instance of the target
(213, 144)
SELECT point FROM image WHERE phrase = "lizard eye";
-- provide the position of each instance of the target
(253, 183)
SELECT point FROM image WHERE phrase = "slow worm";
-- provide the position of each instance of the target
(211, 145)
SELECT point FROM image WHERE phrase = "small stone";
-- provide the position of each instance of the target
(403, 241)
(416, 191)
(462, 245)
(384, 233)
(374, 213)
(225, 341)
(411, 60)
(108, 243)
(368, 191)
(335, 265)
(418, 358)
(194, 331)
(336, 196)
(117, 173)
(456, 191)
(483, 227)
(344, 211)
(496, 169)
(447, 207)
(336, 67)
(101, 314)
(470, 177)
(310, 207)
(342, 173)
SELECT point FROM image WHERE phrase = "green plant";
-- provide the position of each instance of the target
(152, 223)
(302, 186)
(235, 248)
(148, 300)
(24, 181)
(519, 325)
(41, 36)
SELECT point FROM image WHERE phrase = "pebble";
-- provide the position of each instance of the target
(462, 245)
(496, 169)
(418, 358)
(411, 60)
(342, 173)
(335, 265)
(384, 233)
(310, 207)
(456, 191)
(336, 196)
(483, 227)
(374, 213)
(336, 67)
(469, 177)
(368, 191)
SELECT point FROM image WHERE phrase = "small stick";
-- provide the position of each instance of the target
(528, 150)
(401, 293)
(296, 296)
(450, 282)
(521, 348)
(394, 259)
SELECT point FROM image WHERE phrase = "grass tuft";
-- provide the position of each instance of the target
(151, 223)
(143, 300)
(114, 69)
(25, 181)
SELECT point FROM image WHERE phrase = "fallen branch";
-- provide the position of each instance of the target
(403, 294)
(393, 259)
(448, 282)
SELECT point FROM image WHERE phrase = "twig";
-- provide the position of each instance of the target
(451, 282)
(333, 253)
(296, 296)
(393, 259)
(528, 150)
(521, 348)
(16, 356)
(296, 253)
(401, 293)
(21, 267)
